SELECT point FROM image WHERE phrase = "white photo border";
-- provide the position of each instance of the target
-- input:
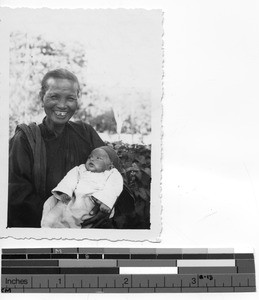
(151, 234)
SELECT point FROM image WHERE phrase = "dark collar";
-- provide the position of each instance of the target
(47, 132)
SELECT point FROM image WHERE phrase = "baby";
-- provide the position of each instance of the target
(96, 181)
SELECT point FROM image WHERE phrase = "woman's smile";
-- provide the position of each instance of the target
(60, 102)
(60, 114)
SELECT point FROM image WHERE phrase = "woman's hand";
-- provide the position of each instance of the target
(99, 206)
(104, 208)
(99, 213)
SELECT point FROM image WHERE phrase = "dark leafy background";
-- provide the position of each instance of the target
(136, 171)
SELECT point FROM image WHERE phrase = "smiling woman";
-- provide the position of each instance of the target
(59, 102)
(66, 144)
(59, 95)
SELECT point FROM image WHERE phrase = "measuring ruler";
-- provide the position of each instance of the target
(126, 270)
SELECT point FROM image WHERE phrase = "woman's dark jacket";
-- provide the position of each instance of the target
(63, 152)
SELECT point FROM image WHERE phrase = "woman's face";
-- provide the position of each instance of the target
(60, 101)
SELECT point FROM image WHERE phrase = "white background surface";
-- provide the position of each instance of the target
(210, 179)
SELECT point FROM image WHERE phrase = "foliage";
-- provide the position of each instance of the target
(115, 110)
(95, 109)
(131, 109)
(136, 171)
(30, 58)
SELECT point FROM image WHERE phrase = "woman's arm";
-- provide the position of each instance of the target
(24, 204)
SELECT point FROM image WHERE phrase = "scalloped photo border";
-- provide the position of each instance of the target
(33, 20)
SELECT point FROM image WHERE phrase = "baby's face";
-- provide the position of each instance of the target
(98, 161)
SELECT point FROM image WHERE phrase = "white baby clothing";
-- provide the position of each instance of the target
(80, 184)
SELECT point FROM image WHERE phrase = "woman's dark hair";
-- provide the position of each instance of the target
(57, 73)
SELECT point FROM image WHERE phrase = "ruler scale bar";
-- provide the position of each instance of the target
(187, 251)
(74, 270)
(124, 256)
(124, 281)
(206, 263)
(126, 270)
(206, 270)
(243, 266)
(31, 263)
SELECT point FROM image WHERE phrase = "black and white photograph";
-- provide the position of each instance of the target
(129, 127)
(84, 127)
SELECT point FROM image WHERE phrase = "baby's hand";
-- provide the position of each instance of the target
(64, 198)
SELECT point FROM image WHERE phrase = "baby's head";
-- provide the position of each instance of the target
(102, 159)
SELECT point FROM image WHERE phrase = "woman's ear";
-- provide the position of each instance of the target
(40, 96)
(79, 99)
(77, 104)
(111, 166)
